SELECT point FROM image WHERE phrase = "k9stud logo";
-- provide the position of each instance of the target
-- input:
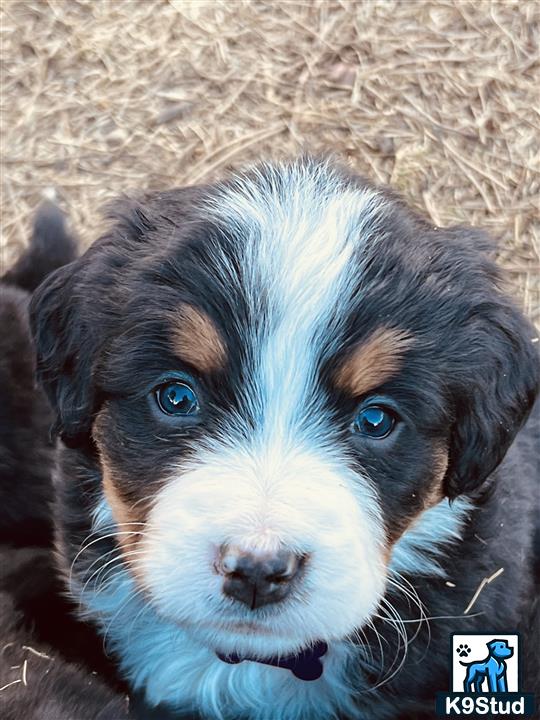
(485, 672)
(485, 663)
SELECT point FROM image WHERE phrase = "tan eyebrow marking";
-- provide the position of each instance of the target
(373, 361)
(197, 340)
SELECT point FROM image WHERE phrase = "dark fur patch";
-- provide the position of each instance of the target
(52, 666)
(57, 661)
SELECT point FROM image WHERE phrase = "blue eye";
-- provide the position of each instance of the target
(177, 398)
(374, 422)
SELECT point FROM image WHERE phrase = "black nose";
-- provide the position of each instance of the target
(258, 580)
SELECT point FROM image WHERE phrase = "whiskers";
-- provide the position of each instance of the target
(91, 577)
(99, 576)
(373, 641)
(104, 576)
(403, 638)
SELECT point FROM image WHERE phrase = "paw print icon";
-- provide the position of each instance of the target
(463, 650)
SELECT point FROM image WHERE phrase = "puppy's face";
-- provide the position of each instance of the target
(272, 373)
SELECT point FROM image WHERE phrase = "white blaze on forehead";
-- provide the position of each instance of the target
(297, 230)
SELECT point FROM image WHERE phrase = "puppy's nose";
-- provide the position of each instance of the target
(258, 580)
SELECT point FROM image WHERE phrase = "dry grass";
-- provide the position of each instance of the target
(438, 98)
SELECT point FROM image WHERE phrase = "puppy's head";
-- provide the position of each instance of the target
(275, 377)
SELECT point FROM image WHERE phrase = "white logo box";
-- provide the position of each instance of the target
(478, 652)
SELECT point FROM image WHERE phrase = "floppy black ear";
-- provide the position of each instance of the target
(76, 309)
(65, 347)
(498, 384)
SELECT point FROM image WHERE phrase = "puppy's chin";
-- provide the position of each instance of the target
(251, 639)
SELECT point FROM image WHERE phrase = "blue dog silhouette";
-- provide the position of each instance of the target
(493, 668)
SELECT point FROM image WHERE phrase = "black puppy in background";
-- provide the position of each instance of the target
(48, 660)
(26, 449)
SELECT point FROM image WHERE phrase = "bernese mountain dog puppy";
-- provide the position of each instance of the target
(288, 409)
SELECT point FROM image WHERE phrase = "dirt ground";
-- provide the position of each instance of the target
(438, 98)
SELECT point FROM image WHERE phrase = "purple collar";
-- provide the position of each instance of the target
(306, 665)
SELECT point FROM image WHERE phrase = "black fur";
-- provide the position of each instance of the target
(49, 661)
(51, 246)
(26, 451)
(67, 677)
